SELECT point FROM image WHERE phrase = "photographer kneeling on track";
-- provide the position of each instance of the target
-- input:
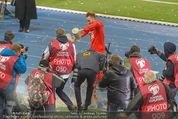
(12, 64)
(170, 71)
(121, 86)
(42, 95)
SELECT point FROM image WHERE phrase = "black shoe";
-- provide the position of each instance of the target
(73, 108)
(82, 109)
(27, 30)
(21, 30)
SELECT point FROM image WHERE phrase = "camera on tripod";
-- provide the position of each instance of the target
(4, 10)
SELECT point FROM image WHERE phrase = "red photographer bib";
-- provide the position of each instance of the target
(174, 59)
(154, 101)
(6, 71)
(140, 66)
(62, 57)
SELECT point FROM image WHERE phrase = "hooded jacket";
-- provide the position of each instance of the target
(128, 64)
(121, 85)
(63, 39)
(169, 49)
(19, 66)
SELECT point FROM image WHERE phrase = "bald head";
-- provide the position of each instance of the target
(149, 76)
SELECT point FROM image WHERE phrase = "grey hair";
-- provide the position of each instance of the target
(149, 79)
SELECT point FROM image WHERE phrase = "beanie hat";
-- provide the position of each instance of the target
(134, 48)
(8, 35)
(44, 63)
(169, 48)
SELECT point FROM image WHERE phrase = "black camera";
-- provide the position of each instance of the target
(127, 54)
(152, 50)
(26, 49)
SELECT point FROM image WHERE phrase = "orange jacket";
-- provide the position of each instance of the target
(96, 33)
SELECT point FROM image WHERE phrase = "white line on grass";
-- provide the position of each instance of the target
(174, 3)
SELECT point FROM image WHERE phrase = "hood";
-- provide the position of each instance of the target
(135, 55)
(100, 22)
(62, 39)
(119, 69)
(169, 48)
(7, 52)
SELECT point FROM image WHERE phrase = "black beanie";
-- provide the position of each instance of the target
(8, 35)
(44, 63)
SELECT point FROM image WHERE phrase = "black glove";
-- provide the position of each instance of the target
(127, 54)
(152, 50)
(161, 78)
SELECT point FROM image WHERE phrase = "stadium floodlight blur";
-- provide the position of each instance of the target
(4, 8)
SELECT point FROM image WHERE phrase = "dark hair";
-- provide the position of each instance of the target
(91, 14)
(8, 35)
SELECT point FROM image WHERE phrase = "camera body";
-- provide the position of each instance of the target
(152, 50)
(26, 49)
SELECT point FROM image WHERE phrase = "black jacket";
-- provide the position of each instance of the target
(91, 60)
(28, 6)
(120, 84)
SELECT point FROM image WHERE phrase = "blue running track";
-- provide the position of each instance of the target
(121, 33)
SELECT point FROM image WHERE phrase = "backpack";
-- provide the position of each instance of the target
(38, 95)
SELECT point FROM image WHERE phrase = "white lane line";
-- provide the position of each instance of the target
(173, 3)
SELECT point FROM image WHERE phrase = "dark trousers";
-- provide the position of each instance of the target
(25, 22)
(82, 75)
(63, 95)
(7, 102)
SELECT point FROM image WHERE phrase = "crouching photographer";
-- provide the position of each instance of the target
(15, 65)
(23, 50)
(170, 71)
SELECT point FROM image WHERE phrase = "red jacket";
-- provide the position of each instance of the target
(96, 33)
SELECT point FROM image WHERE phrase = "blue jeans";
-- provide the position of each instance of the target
(7, 102)
(113, 111)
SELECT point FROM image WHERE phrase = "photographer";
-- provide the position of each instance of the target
(12, 64)
(137, 65)
(8, 40)
(121, 86)
(170, 71)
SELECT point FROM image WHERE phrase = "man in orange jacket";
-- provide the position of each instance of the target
(95, 29)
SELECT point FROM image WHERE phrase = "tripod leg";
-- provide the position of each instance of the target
(2, 10)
